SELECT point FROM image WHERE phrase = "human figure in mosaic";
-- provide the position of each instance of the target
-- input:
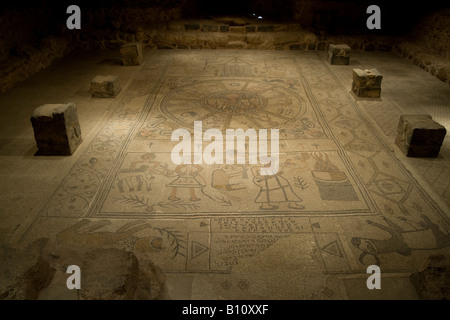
(275, 190)
(140, 172)
(188, 177)
(147, 159)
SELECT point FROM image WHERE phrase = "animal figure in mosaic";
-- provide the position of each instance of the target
(85, 233)
(188, 177)
(135, 178)
(302, 129)
(401, 241)
(160, 126)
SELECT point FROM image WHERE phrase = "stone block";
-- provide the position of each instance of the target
(210, 28)
(301, 46)
(132, 54)
(339, 54)
(224, 28)
(321, 46)
(419, 136)
(237, 29)
(56, 129)
(236, 45)
(367, 83)
(268, 28)
(105, 86)
(192, 26)
(281, 28)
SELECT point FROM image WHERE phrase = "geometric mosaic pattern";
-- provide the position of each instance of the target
(341, 196)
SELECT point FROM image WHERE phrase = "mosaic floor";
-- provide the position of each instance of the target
(344, 196)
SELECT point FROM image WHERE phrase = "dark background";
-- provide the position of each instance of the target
(335, 16)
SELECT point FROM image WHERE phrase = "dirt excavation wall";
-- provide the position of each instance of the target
(29, 42)
(428, 45)
(33, 37)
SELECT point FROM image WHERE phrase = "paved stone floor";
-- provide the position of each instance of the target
(344, 198)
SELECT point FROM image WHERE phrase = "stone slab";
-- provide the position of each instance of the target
(237, 29)
(210, 28)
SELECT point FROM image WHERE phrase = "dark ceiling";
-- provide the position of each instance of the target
(398, 16)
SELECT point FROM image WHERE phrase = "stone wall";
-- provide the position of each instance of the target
(337, 17)
(428, 45)
(33, 37)
(124, 23)
(434, 33)
(29, 42)
(227, 33)
(31, 59)
(213, 34)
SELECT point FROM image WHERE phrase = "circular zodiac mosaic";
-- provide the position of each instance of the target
(224, 104)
